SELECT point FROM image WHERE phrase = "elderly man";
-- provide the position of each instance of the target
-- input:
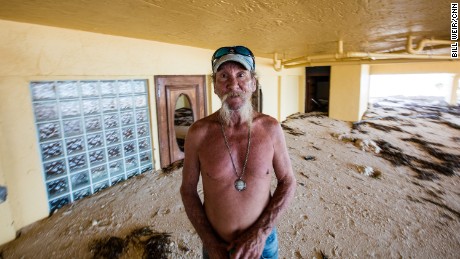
(235, 150)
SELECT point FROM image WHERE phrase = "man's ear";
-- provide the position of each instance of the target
(254, 85)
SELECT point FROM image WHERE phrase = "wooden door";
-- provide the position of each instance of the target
(168, 89)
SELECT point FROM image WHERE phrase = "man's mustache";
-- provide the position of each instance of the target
(232, 94)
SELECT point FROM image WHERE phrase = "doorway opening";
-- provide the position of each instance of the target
(317, 88)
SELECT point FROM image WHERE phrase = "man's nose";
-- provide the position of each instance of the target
(233, 83)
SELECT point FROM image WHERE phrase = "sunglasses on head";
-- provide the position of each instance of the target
(240, 50)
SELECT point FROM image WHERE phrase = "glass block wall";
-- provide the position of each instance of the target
(92, 134)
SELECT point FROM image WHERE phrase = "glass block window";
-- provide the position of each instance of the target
(92, 135)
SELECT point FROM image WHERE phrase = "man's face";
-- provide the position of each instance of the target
(234, 84)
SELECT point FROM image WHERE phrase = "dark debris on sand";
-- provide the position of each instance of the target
(413, 108)
(425, 169)
(297, 116)
(109, 247)
(292, 131)
(154, 244)
(400, 113)
(440, 205)
(174, 166)
(397, 113)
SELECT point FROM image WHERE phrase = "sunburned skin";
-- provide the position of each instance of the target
(229, 219)
(230, 211)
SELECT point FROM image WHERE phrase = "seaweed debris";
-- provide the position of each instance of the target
(157, 247)
(425, 169)
(369, 171)
(456, 213)
(109, 247)
(298, 115)
(308, 158)
(292, 131)
(174, 166)
(449, 160)
(357, 126)
(154, 244)
(441, 205)
(451, 124)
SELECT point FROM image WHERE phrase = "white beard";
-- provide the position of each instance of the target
(244, 112)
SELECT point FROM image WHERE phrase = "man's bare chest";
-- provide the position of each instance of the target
(219, 161)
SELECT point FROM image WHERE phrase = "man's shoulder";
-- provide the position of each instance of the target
(265, 120)
(201, 126)
(206, 121)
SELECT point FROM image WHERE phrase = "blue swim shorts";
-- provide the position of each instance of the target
(270, 249)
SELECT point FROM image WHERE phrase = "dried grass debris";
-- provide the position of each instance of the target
(154, 244)
(110, 247)
(425, 169)
(369, 171)
(174, 166)
(292, 131)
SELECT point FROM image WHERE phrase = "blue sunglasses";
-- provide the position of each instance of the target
(240, 50)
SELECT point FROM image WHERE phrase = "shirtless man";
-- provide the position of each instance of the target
(234, 150)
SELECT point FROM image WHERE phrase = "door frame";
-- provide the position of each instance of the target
(163, 115)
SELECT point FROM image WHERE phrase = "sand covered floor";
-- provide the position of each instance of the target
(386, 187)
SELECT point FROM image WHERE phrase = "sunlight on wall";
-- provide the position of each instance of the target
(414, 85)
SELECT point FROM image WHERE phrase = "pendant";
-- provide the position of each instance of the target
(240, 185)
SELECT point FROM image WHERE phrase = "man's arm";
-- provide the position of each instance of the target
(252, 242)
(215, 246)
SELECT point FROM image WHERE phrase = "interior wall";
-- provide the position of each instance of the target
(364, 90)
(33, 52)
(269, 86)
(290, 95)
(6, 221)
(345, 92)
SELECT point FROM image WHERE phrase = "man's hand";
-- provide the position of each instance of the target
(249, 245)
(217, 250)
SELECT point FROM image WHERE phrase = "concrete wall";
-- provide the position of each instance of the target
(32, 52)
(6, 221)
(347, 98)
(290, 95)
(363, 90)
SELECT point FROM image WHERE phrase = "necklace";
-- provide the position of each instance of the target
(240, 184)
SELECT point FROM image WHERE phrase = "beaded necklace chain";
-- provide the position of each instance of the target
(240, 184)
